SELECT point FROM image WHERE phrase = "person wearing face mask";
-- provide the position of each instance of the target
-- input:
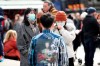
(67, 31)
(26, 31)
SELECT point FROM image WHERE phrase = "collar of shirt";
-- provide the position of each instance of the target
(47, 31)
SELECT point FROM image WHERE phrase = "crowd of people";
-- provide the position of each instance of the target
(50, 37)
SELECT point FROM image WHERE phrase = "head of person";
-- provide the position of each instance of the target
(10, 35)
(91, 11)
(61, 18)
(47, 5)
(47, 20)
(17, 17)
(1, 15)
(77, 15)
(29, 17)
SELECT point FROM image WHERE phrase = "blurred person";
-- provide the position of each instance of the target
(17, 21)
(67, 30)
(79, 40)
(47, 7)
(6, 23)
(17, 18)
(77, 20)
(1, 29)
(10, 45)
(26, 31)
(47, 48)
(78, 23)
(90, 32)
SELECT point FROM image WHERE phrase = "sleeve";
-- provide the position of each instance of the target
(21, 42)
(31, 56)
(69, 36)
(63, 55)
(96, 25)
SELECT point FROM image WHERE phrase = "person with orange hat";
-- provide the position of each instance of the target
(67, 31)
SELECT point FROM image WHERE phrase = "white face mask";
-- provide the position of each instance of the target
(31, 18)
(61, 23)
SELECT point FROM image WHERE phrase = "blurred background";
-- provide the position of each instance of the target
(69, 6)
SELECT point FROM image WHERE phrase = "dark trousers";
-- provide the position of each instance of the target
(71, 61)
(78, 40)
(1, 48)
(89, 47)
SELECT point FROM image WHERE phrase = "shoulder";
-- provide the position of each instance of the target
(10, 42)
(37, 36)
(53, 11)
(69, 20)
(55, 35)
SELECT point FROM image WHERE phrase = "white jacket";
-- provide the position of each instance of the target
(69, 36)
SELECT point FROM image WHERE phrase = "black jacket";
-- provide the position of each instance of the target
(90, 26)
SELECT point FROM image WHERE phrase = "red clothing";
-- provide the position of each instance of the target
(10, 49)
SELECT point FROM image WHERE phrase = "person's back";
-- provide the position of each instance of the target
(90, 26)
(90, 32)
(10, 47)
(47, 48)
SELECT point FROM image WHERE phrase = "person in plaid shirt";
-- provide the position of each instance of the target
(47, 48)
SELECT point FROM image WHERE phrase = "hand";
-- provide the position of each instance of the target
(59, 27)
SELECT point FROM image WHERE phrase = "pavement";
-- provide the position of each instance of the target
(9, 62)
(80, 55)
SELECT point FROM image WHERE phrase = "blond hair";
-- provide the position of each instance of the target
(9, 34)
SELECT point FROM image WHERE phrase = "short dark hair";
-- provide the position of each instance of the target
(47, 20)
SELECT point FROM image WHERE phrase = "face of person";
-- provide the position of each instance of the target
(17, 17)
(46, 7)
(61, 23)
(94, 14)
(31, 17)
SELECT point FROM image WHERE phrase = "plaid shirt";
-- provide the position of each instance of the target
(56, 56)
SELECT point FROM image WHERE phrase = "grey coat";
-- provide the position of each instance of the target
(25, 35)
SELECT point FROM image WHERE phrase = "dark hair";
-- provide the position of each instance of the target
(47, 20)
(70, 17)
(25, 20)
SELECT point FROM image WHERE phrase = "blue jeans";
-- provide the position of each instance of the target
(89, 47)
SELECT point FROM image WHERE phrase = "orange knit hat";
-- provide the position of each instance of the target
(61, 16)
